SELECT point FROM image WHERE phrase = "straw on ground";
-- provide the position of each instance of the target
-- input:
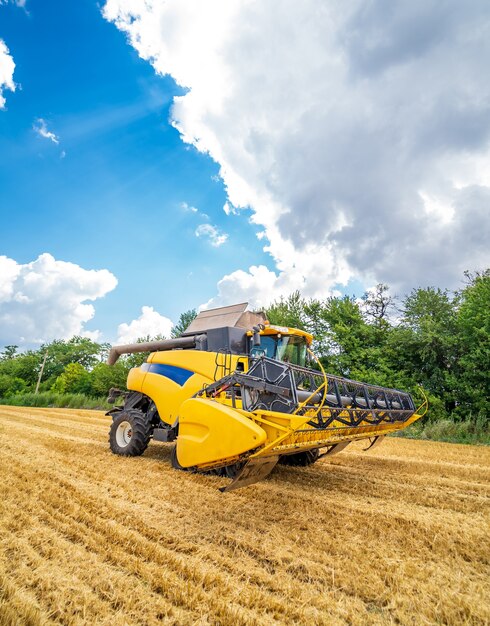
(396, 535)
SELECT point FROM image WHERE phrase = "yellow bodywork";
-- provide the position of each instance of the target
(212, 432)
(167, 394)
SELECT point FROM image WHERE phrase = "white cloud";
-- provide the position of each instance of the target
(20, 3)
(7, 67)
(40, 127)
(356, 132)
(186, 208)
(47, 299)
(150, 322)
(94, 335)
(259, 286)
(229, 209)
(215, 236)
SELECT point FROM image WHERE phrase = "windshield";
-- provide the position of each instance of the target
(286, 348)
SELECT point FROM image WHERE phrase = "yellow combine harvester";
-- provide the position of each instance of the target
(235, 394)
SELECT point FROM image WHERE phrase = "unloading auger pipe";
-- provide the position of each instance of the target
(154, 346)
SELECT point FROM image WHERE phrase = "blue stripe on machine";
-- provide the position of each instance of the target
(178, 374)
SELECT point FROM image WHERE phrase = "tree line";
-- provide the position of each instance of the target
(75, 366)
(433, 339)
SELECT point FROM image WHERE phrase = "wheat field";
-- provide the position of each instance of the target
(399, 535)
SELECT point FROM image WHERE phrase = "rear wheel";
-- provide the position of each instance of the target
(301, 458)
(130, 433)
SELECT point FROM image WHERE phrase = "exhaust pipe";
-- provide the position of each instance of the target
(155, 346)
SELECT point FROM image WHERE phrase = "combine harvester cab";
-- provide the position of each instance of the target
(235, 394)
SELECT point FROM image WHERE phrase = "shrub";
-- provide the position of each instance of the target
(58, 400)
(474, 431)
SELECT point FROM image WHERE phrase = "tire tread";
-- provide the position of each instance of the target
(140, 436)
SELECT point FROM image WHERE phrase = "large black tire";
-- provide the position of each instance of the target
(130, 433)
(230, 471)
(301, 458)
(175, 462)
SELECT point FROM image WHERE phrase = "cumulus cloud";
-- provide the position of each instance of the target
(41, 128)
(215, 236)
(48, 299)
(358, 133)
(258, 286)
(7, 67)
(150, 322)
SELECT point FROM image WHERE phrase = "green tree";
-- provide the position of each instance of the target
(378, 304)
(104, 376)
(428, 342)
(317, 325)
(473, 325)
(25, 366)
(74, 379)
(349, 338)
(344, 340)
(9, 352)
(288, 311)
(10, 385)
(183, 322)
(79, 350)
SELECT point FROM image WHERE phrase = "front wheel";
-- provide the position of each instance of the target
(130, 433)
(174, 460)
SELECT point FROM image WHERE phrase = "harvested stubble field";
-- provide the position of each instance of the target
(399, 535)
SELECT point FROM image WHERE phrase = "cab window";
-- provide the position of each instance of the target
(286, 348)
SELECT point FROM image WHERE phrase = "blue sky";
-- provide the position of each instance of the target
(110, 193)
(351, 141)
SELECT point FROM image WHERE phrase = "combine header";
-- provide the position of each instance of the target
(235, 394)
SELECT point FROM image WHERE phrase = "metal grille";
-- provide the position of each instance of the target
(271, 385)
